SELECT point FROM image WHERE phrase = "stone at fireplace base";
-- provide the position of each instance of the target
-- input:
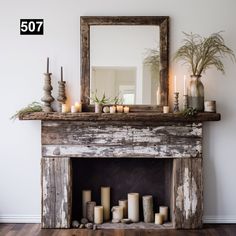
(139, 225)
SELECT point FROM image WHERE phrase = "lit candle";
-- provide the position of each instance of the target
(119, 108)
(112, 109)
(61, 74)
(73, 109)
(105, 202)
(86, 197)
(185, 90)
(98, 214)
(158, 219)
(133, 207)
(164, 211)
(175, 84)
(64, 108)
(126, 109)
(166, 109)
(47, 65)
(78, 107)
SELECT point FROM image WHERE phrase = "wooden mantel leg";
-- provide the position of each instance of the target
(56, 192)
(187, 193)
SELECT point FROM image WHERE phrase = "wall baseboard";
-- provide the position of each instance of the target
(37, 219)
(20, 219)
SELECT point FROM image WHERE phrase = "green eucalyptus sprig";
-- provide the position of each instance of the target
(102, 101)
(33, 107)
(117, 100)
(189, 112)
(200, 53)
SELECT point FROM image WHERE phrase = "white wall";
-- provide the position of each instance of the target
(22, 62)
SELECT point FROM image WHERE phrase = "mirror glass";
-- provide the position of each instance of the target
(124, 62)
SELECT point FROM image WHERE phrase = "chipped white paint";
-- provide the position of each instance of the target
(186, 200)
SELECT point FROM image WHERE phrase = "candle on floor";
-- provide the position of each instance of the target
(105, 202)
(164, 211)
(133, 207)
(124, 204)
(112, 109)
(90, 211)
(126, 109)
(117, 213)
(64, 108)
(166, 109)
(158, 219)
(78, 107)
(86, 197)
(119, 108)
(98, 214)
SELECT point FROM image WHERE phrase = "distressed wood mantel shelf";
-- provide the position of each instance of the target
(149, 117)
(66, 138)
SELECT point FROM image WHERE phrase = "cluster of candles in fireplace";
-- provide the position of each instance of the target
(127, 211)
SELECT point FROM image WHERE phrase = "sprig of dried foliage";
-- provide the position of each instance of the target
(200, 53)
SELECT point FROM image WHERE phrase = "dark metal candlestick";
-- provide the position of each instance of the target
(176, 102)
(61, 91)
(185, 102)
(47, 98)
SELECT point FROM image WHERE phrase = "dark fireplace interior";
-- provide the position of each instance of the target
(124, 175)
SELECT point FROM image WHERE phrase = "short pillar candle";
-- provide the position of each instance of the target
(98, 214)
(117, 213)
(164, 211)
(158, 219)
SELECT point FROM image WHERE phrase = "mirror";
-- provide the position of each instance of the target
(125, 57)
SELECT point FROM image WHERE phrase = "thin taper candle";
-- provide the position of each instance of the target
(175, 85)
(61, 73)
(47, 65)
(185, 91)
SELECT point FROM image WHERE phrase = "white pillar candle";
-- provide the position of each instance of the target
(73, 109)
(164, 211)
(98, 214)
(185, 90)
(133, 207)
(175, 84)
(158, 219)
(117, 213)
(124, 204)
(86, 197)
(64, 108)
(105, 202)
(119, 108)
(78, 107)
(112, 109)
(126, 109)
(166, 109)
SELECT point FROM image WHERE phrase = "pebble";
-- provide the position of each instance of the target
(94, 227)
(81, 226)
(89, 225)
(84, 221)
(75, 224)
(126, 221)
(115, 221)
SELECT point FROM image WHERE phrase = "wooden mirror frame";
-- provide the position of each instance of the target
(87, 21)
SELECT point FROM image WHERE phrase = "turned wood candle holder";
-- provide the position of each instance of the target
(61, 94)
(176, 102)
(47, 98)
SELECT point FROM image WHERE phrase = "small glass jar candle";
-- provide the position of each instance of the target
(78, 107)
(119, 108)
(126, 109)
(166, 109)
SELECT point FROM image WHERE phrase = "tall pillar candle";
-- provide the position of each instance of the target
(148, 213)
(86, 197)
(133, 207)
(105, 202)
(98, 214)
(164, 211)
(124, 204)
(117, 213)
(90, 210)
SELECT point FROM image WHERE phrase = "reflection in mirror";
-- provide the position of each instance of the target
(124, 62)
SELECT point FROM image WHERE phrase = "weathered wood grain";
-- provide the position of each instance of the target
(188, 193)
(56, 192)
(144, 117)
(87, 139)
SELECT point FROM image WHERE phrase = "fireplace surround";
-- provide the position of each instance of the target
(70, 141)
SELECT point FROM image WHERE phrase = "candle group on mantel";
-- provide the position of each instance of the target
(127, 210)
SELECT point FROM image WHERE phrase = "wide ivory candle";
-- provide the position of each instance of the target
(86, 197)
(133, 207)
(164, 211)
(117, 213)
(98, 214)
(124, 204)
(78, 107)
(105, 202)
(126, 109)
(119, 108)
(158, 219)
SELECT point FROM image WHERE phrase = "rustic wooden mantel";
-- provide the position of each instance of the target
(132, 135)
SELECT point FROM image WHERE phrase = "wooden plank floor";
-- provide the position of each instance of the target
(35, 229)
